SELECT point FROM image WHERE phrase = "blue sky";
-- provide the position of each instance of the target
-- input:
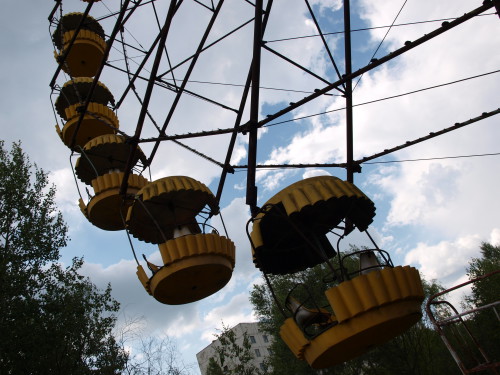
(430, 214)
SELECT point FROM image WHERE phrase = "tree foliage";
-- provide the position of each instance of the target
(149, 355)
(417, 351)
(485, 323)
(233, 355)
(488, 291)
(53, 320)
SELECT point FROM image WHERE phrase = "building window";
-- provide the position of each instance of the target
(257, 352)
(263, 366)
(252, 339)
(265, 338)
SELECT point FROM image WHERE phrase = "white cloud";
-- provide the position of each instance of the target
(237, 310)
(315, 172)
(66, 194)
(235, 216)
(134, 300)
(495, 237)
(444, 261)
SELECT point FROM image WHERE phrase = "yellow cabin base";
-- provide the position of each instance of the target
(191, 279)
(172, 201)
(370, 310)
(195, 266)
(90, 128)
(106, 209)
(85, 56)
(102, 154)
(349, 340)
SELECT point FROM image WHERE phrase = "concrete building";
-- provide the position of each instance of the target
(260, 345)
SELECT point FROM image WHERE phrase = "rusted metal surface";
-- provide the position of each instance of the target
(484, 363)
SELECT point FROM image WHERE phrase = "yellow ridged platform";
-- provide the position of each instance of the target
(85, 56)
(308, 208)
(76, 92)
(98, 120)
(195, 267)
(104, 208)
(172, 202)
(371, 309)
(102, 154)
(70, 22)
(292, 335)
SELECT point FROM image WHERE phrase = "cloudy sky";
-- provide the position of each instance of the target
(432, 214)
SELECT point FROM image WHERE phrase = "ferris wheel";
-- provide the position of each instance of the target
(167, 63)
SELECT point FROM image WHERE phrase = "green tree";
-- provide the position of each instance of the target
(417, 351)
(52, 320)
(487, 291)
(484, 324)
(233, 355)
(149, 355)
(270, 316)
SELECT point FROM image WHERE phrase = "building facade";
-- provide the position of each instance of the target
(260, 345)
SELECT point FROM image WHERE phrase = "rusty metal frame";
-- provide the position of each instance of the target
(251, 90)
(458, 318)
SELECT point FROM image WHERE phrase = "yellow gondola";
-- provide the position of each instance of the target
(98, 120)
(195, 265)
(102, 154)
(107, 208)
(87, 52)
(296, 219)
(166, 205)
(382, 301)
(366, 311)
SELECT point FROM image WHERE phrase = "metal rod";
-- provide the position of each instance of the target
(323, 39)
(131, 82)
(348, 92)
(453, 318)
(169, 86)
(376, 63)
(458, 125)
(205, 48)
(316, 165)
(245, 127)
(54, 10)
(237, 123)
(349, 226)
(299, 66)
(186, 78)
(251, 198)
(113, 14)
(147, 96)
(437, 325)
(431, 135)
(143, 62)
